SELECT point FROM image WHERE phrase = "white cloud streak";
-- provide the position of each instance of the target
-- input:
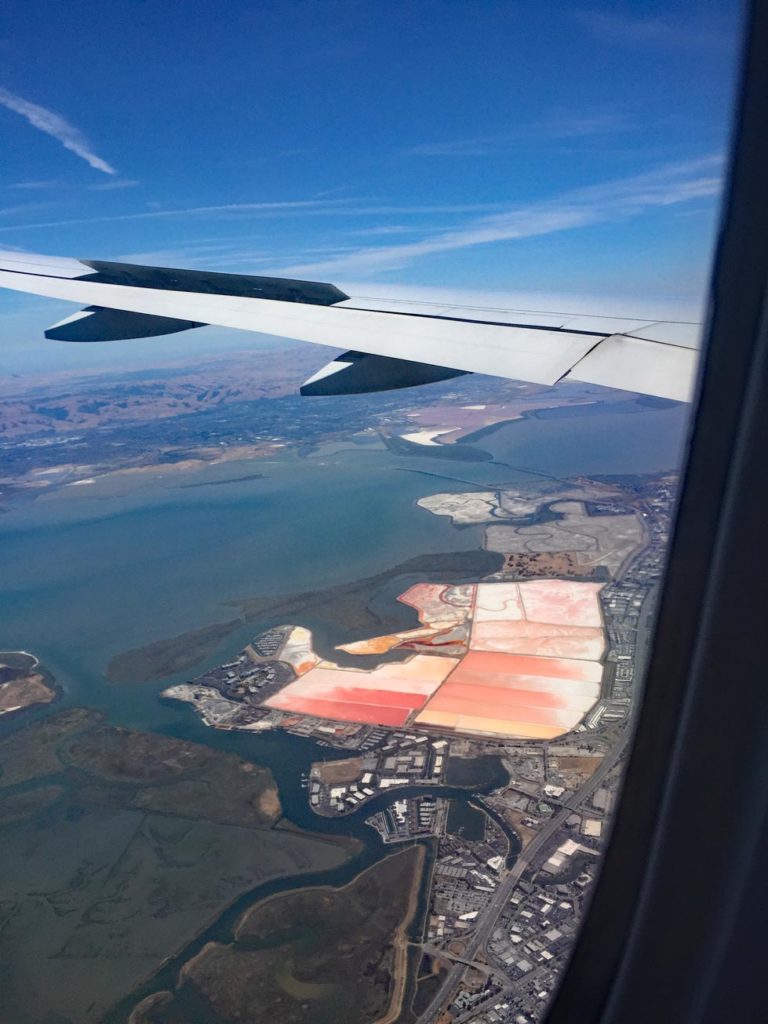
(255, 208)
(387, 229)
(313, 207)
(112, 184)
(9, 211)
(554, 129)
(716, 31)
(35, 185)
(57, 127)
(610, 201)
(673, 185)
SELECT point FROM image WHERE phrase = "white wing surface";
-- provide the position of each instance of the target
(390, 343)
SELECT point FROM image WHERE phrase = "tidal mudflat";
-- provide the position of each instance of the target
(322, 955)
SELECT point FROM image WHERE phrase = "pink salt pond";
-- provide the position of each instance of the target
(533, 668)
(387, 695)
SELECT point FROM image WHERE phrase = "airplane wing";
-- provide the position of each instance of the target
(391, 343)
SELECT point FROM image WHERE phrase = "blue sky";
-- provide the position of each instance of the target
(513, 147)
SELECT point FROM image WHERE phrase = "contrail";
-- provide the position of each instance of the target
(54, 124)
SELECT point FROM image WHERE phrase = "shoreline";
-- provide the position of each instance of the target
(274, 897)
(341, 605)
(34, 684)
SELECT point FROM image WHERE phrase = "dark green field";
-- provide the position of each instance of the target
(117, 847)
(320, 956)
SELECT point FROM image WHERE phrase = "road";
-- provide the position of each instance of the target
(531, 978)
(488, 969)
(502, 895)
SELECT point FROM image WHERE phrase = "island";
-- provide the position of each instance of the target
(24, 683)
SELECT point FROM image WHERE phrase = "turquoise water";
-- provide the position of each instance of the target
(87, 576)
(585, 442)
(91, 571)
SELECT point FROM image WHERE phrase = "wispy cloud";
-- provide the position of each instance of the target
(34, 185)
(58, 127)
(304, 207)
(190, 211)
(8, 211)
(168, 257)
(669, 185)
(386, 229)
(673, 185)
(558, 128)
(112, 184)
(709, 32)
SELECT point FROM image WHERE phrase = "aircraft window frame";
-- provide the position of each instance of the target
(678, 907)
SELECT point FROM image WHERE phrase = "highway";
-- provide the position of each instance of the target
(487, 922)
(502, 895)
(443, 954)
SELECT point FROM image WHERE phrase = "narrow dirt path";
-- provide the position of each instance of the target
(400, 945)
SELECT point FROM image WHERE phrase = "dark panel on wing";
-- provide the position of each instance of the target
(357, 373)
(282, 289)
(98, 324)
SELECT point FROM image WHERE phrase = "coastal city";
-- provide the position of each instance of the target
(469, 709)
(435, 739)
(513, 856)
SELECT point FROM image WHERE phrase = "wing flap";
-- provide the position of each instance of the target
(666, 371)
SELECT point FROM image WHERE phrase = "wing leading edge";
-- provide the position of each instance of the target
(391, 343)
